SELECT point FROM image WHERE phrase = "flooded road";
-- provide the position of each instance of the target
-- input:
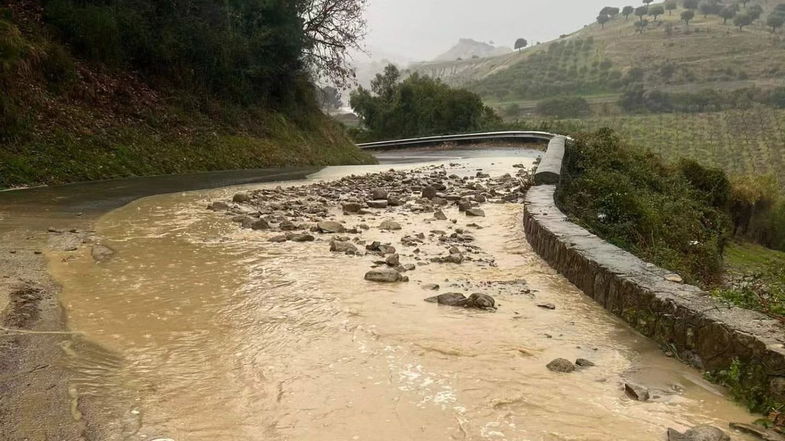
(202, 330)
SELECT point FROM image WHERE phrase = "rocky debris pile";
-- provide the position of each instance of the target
(346, 209)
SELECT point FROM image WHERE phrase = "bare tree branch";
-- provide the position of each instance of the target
(333, 29)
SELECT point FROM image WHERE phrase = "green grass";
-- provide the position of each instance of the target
(137, 150)
(746, 257)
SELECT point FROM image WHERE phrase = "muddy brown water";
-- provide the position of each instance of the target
(209, 332)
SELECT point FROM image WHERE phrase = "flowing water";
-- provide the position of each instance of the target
(209, 332)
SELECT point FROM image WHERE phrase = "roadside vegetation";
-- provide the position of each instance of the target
(93, 90)
(672, 215)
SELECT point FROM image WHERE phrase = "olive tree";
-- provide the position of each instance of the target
(656, 11)
(627, 11)
(671, 5)
(775, 21)
(521, 43)
(641, 11)
(687, 15)
(727, 13)
(742, 20)
(602, 19)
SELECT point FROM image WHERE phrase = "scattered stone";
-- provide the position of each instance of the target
(393, 260)
(378, 204)
(218, 206)
(389, 225)
(300, 237)
(430, 287)
(343, 247)
(379, 194)
(241, 197)
(439, 215)
(561, 365)
(260, 224)
(547, 305)
(481, 301)
(102, 253)
(330, 227)
(636, 392)
(352, 207)
(280, 238)
(449, 299)
(582, 362)
(410, 267)
(287, 225)
(699, 433)
(385, 275)
(428, 192)
(475, 212)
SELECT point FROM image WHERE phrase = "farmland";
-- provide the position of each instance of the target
(743, 141)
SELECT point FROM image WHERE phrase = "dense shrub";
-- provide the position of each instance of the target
(758, 210)
(671, 215)
(564, 107)
(417, 106)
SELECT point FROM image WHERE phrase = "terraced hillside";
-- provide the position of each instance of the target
(668, 54)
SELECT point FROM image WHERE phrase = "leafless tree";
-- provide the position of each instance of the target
(333, 28)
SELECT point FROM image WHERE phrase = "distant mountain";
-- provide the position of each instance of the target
(468, 48)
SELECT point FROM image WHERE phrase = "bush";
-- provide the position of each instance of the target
(669, 215)
(564, 107)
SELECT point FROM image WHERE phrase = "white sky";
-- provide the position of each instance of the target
(423, 29)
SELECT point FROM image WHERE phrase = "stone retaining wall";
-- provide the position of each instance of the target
(700, 330)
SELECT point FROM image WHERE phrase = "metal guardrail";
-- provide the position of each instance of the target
(548, 171)
(485, 136)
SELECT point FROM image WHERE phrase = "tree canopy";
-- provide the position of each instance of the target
(244, 50)
(417, 106)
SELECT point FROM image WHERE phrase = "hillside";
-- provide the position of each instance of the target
(667, 54)
(466, 48)
(81, 102)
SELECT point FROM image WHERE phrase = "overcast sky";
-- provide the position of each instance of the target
(423, 29)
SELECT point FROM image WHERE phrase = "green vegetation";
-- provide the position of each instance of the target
(747, 383)
(565, 67)
(417, 106)
(564, 107)
(671, 215)
(741, 141)
(93, 90)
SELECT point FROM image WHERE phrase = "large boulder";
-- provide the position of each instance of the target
(699, 433)
(241, 197)
(561, 365)
(102, 253)
(379, 194)
(481, 301)
(449, 299)
(343, 247)
(389, 225)
(385, 275)
(330, 227)
(352, 207)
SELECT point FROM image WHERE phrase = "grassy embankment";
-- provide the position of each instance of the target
(66, 119)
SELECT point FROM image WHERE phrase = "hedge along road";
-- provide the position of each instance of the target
(194, 328)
